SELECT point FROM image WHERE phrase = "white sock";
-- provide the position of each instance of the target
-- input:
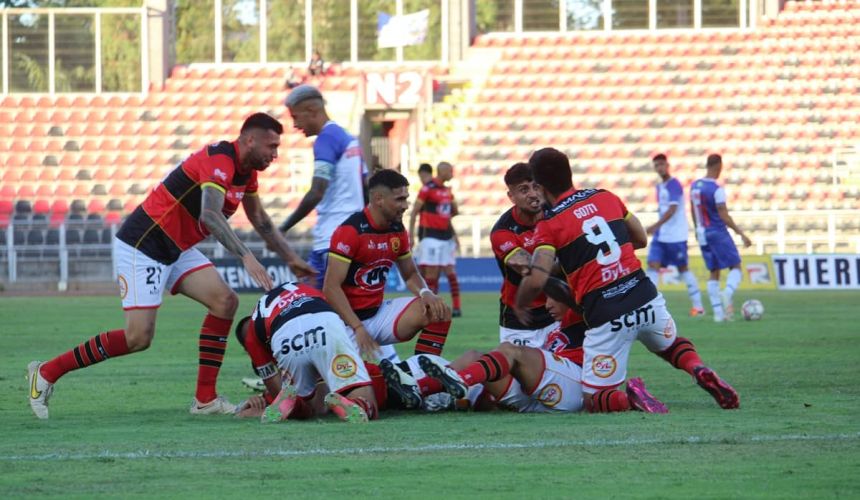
(692, 288)
(654, 275)
(714, 295)
(388, 352)
(733, 281)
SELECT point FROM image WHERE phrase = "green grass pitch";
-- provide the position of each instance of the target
(122, 428)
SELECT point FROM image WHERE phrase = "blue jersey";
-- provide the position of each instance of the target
(705, 195)
(675, 229)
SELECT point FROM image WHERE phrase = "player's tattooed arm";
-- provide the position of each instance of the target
(519, 260)
(275, 241)
(214, 220)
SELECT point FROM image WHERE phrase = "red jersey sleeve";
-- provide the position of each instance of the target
(404, 250)
(503, 242)
(216, 170)
(344, 242)
(261, 356)
(251, 187)
(545, 235)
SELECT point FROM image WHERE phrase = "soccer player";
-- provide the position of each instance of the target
(438, 247)
(425, 173)
(512, 240)
(363, 249)
(154, 251)
(669, 242)
(594, 237)
(711, 217)
(295, 338)
(337, 187)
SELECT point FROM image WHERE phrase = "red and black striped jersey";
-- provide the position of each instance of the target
(566, 341)
(272, 311)
(435, 219)
(507, 235)
(370, 250)
(587, 230)
(168, 221)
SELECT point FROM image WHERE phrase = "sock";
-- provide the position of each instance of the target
(714, 295)
(213, 344)
(653, 275)
(609, 400)
(432, 338)
(433, 284)
(388, 352)
(692, 288)
(682, 355)
(95, 350)
(455, 290)
(488, 368)
(367, 406)
(429, 385)
(733, 281)
(377, 381)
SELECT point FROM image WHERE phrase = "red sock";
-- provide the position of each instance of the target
(213, 344)
(609, 400)
(432, 338)
(95, 350)
(429, 385)
(377, 381)
(455, 290)
(368, 407)
(488, 368)
(432, 284)
(682, 355)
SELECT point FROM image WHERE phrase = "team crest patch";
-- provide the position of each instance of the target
(123, 286)
(669, 331)
(395, 244)
(604, 366)
(343, 366)
(550, 395)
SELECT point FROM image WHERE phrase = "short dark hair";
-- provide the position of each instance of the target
(392, 179)
(518, 173)
(425, 167)
(262, 121)
(240, 331)
(714, 160)
(551, 169)
(660, 157)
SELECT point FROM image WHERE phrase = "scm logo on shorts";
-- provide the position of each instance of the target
(603, 365)
(640, 317)
(123, 286)
(550, 395)
(343, 366)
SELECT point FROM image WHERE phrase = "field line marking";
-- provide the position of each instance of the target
(442, 447)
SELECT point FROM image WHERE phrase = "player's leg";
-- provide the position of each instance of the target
(713, 285)
(400, 319)
(202, 283)
(318, 259)
(655, 261)
(142, 282)
(681, 260)
(605, 352)
(454, 285)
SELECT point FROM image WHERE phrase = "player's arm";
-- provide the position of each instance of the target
(335, 275)
(416, 209)
(663, 218)
(434, 306)
(638, 236)
(275, 241)
(532, 284)
(211, 216)
(723, 210)
(310, 200)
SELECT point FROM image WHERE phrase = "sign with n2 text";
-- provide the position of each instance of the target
(817, 272)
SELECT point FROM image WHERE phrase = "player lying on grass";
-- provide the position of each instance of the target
(294, 338)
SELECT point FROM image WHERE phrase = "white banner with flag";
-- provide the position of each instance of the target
(399, 31)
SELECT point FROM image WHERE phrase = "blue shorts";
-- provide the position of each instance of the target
(318, 260)
(668, 254)
(720, 252)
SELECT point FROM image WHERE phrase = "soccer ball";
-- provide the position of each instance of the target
(752, 310)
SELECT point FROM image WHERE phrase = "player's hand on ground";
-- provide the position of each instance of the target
(366, 345)
(257, 272)
(523, 315)
(435, 308)
(252, 407)
(747, 241)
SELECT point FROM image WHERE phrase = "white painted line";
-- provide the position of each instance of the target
(429, 448)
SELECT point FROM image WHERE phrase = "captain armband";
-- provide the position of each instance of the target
(266, 371)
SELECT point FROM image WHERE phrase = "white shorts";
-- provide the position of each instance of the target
(559, 390)
(527, 338)
(382, 326)
(314, 346)
(607, 347)
(435, 252)
(142, 280)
